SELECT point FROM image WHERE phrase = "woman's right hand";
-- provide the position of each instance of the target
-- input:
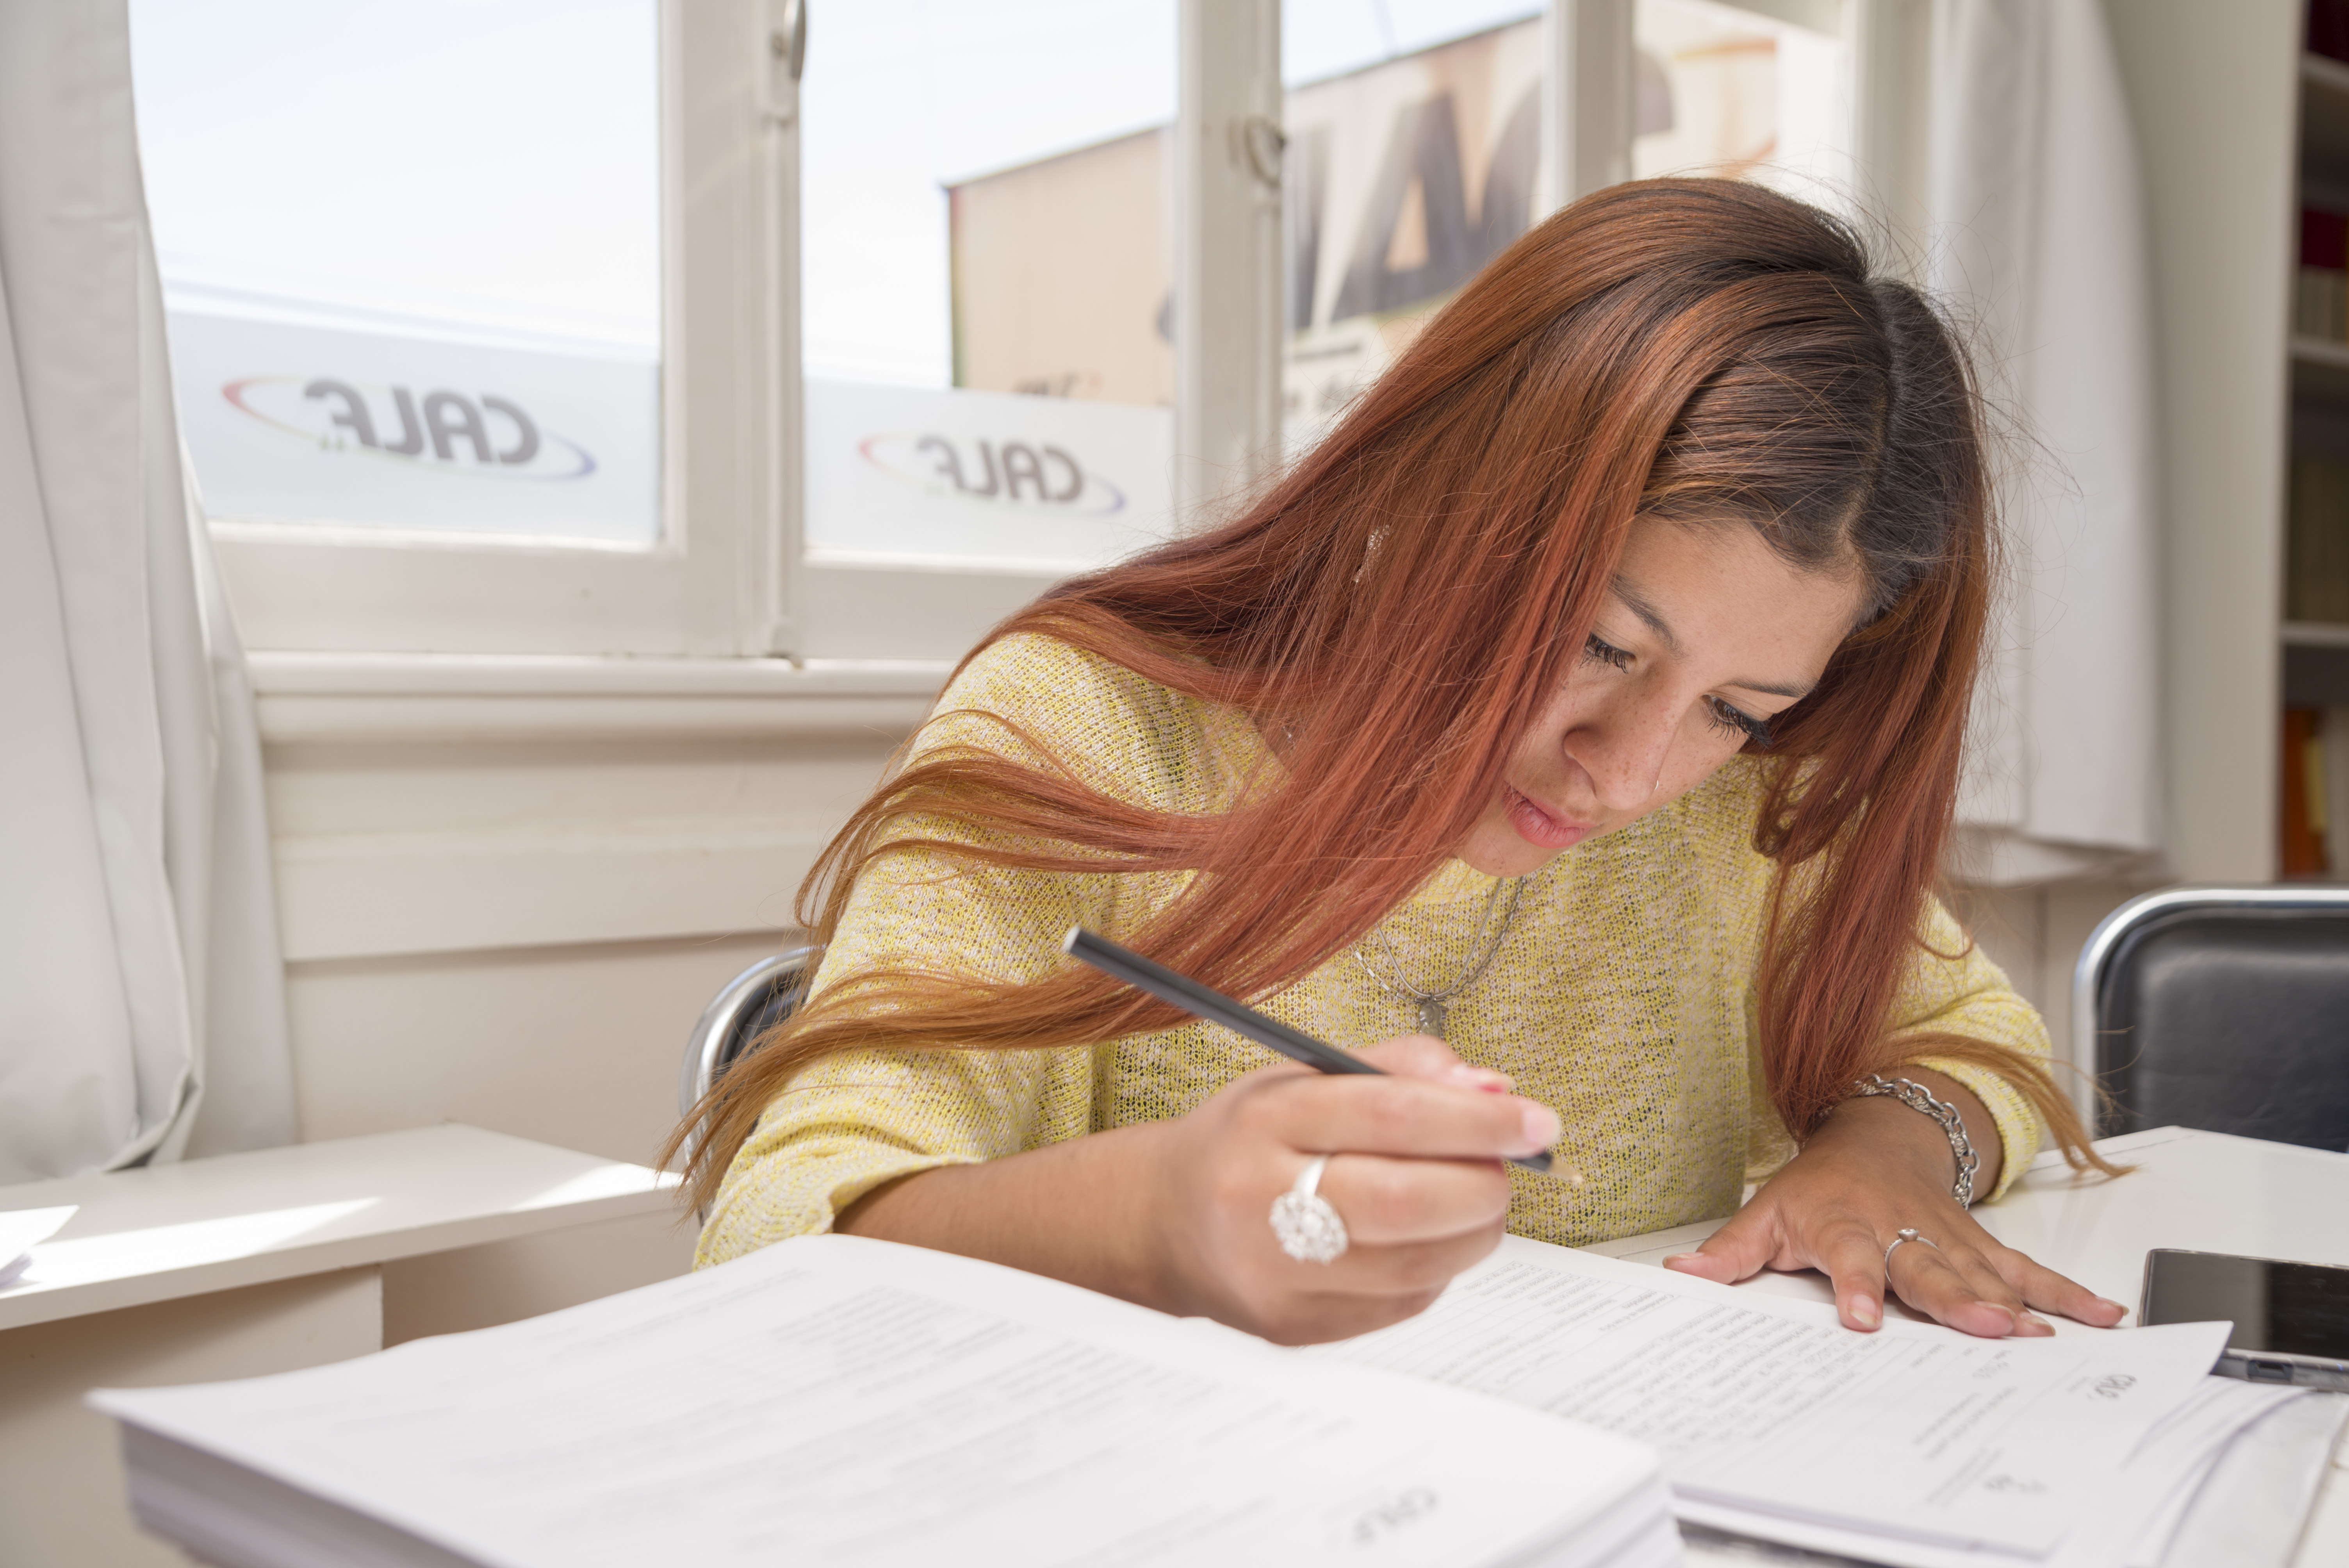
(1415, 1173)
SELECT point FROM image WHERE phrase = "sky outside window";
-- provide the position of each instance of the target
(411, 259)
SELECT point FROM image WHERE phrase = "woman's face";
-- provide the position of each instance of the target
(1706, 635)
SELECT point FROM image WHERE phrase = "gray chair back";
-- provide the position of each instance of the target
(2224, 1008)
(753, 1002)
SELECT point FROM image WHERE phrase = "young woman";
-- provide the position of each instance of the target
(1582, 717)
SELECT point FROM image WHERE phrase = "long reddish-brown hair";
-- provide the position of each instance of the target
(1405, 599)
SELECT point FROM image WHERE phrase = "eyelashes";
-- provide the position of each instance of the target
(1724, 717)
(1598, 650)
(1734, 721)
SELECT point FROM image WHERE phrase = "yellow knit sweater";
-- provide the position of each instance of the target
(1622, 994)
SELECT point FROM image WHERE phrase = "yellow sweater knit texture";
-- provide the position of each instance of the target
(1622, 995)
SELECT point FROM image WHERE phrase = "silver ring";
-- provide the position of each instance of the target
(1907, 1234)
(1309, 1228)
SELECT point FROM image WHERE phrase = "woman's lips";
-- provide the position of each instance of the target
(1537, 826)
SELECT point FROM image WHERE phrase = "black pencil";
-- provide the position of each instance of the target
(1187, 993)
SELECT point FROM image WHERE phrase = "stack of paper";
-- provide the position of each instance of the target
(1914, 1446)
(842, 1402)
(2248, 1460)
(22, 1230)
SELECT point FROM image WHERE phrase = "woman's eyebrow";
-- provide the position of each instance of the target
(1649, 616)
(1796, 689)
(1653, 619)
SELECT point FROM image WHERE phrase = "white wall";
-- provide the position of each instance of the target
(2215, 91)
(506, 905)
(519, 932)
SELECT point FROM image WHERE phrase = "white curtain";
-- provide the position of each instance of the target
(2040, 233)
(142, 1012)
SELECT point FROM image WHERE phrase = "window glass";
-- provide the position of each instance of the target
(986, 281)
(1725, 91)
(1415, 141)
(410, 258)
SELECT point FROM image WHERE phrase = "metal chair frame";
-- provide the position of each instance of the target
(720, 1036)
(2097, 953)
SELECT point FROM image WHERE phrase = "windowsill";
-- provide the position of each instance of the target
(332, 697)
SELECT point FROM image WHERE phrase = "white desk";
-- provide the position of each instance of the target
(251, 1263)
(317, 1218)
(2202, 1190)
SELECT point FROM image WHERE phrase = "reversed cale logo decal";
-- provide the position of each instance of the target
(487, 437)
(1006, 473)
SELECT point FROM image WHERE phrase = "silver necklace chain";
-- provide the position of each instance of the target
(1433, 1015)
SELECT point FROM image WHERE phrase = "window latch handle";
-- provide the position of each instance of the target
(788, 40)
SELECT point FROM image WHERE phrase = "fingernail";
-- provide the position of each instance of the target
(1478, 1078)
(1865, 1312)
(1679, 1258)
(2034, 1323)
(1542, 1128)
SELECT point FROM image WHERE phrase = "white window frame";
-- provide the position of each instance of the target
(1227, 347)
(714, 585)
(730, 578)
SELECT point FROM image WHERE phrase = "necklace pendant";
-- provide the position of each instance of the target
(1432, 1019)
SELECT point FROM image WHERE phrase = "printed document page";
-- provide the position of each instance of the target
(2253, 1500)
(22, 1230)
(2138, 1508)
(1766, 1405)
(835, 1401)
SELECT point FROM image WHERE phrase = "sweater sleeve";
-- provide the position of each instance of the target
(1953, 988)
(849, 1122)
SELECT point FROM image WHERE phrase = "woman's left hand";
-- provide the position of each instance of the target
(1875, 1168)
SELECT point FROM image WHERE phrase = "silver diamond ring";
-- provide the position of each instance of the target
(1906, 1235)
(1309, 1228)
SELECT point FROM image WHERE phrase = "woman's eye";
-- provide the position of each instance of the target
(1734, 721)
(1600, 651)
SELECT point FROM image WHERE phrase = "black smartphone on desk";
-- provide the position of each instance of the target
(2292, 1320)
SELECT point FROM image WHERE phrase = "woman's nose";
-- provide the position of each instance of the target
(1624, 751)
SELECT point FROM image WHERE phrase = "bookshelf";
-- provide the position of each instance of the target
(2320, 369)
(2313, 774)
(2324, 110)
(2314, 634)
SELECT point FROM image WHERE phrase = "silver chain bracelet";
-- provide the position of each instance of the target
(1918, 1098)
